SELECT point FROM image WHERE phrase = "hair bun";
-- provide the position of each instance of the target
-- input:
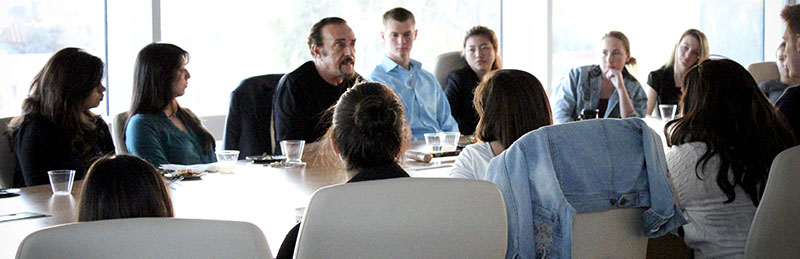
(373, 117)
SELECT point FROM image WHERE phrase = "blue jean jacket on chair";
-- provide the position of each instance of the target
(554, 172)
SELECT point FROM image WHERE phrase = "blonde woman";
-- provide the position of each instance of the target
(666, 83)
(607, 89)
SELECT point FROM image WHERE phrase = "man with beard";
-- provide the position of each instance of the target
(427, 108)
(303, 95)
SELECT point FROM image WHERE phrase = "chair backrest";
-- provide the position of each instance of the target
(764, 71)
(560, 176)
(248, 126)
(215, 124)
(118, 132)
(147, 238)
(446, 63)
(8, 160)
(405, 218)
(775, 232)
(593, 232)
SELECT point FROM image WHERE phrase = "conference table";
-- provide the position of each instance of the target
(266, 196)
(260, 194)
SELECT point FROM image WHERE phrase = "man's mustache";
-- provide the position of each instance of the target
(348, 59)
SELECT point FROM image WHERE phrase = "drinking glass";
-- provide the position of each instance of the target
(61, 181)
(293, 149)
(667, 111)
(450, 141)
(226, 160)
(434, 141)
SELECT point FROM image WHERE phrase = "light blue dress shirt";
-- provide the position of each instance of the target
(427, 109)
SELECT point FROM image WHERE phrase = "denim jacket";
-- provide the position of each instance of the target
(554, 172)
(580, 89)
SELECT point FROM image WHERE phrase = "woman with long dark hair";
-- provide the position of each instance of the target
(721, 151)
(369, 134)
(56, 130)
(159, 129)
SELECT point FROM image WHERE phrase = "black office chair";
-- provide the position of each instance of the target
(248, 125)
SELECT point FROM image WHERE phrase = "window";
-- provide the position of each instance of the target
(232, 41)
(735, 29)
(31, 31)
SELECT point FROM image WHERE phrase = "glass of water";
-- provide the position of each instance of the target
(667, 111)
(293, 149)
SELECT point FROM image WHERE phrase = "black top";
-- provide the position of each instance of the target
(460, 90)
(300, 103)
(375, 173)
(663, 82)
(41, 146)
(773, 89)
(247, 127)
(789, 104)
(602, 106)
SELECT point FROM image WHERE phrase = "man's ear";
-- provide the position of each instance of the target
(383, 37)
(315, 50)
(796, 43)
(415, 34)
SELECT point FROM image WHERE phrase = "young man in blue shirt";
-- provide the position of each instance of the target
(427, 109)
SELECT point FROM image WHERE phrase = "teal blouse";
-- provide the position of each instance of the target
(156, 139)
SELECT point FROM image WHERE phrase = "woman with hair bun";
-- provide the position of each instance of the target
(369, 134)
(607, 90)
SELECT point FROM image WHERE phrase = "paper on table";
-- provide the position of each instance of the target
(196, 168)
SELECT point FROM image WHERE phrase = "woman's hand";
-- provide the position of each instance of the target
(625, 104)
(615, 77)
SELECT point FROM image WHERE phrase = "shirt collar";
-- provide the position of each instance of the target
(388, 64)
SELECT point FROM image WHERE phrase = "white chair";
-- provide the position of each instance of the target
(593, 232)
(405, 218)
(118, 132)
(764, 71)
(775, 232)
(8, 160)
(147, 238)
(446, 63)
